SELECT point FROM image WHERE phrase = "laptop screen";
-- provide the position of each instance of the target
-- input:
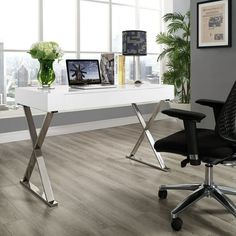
(81, 71)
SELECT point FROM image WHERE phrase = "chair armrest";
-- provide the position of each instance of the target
(189, 118)
(216, 105)
(184, 115)
(210, 102)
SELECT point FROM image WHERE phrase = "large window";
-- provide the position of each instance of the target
(83, 28)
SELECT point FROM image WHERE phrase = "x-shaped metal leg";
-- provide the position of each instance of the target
(37, 157)
(146, 127)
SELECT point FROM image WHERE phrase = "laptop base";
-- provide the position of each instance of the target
(93, 86)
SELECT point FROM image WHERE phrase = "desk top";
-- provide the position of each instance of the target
(62, 98)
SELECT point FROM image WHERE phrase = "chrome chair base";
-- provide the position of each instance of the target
(206, 189)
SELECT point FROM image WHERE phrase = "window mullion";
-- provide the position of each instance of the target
(137, 17)
(77, 25)
(40, 36)
(110, 26)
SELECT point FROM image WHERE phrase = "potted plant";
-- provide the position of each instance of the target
(176, 50)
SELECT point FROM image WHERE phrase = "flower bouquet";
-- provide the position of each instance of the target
(46, 53)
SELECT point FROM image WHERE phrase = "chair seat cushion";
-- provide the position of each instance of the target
(210, 146)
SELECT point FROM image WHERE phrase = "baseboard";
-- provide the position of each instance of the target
(74, 128)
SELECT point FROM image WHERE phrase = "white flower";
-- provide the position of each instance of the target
(46, 51)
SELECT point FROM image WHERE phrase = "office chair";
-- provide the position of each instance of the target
(211, 147)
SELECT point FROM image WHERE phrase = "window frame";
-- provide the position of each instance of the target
(78, 51)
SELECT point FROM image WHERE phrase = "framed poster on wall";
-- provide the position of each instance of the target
(214, 23)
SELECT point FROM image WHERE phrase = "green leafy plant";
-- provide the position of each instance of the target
(176, 49)
(46, 51)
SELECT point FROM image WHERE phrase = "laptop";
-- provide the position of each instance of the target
(84, 74)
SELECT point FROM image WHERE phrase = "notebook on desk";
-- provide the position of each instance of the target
(84, 74)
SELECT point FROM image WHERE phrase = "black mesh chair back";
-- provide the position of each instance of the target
(226, 126)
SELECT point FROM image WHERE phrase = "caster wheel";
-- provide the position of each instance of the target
(162, 194)
(176, 224)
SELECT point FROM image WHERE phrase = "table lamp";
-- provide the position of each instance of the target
(134, 43)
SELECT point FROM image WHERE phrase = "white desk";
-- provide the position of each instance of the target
(62, 99)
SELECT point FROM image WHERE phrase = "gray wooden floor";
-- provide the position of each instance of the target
(100, 192)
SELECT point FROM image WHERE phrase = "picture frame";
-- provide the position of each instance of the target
(107, 66)
(214, 19)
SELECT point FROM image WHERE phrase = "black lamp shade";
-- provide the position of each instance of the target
(134, 43)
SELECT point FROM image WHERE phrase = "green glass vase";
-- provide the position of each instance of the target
(46, 74)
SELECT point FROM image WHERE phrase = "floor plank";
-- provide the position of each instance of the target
(100, 192)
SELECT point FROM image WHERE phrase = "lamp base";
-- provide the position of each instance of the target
(136, 68)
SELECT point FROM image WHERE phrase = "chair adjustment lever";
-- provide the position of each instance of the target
(184, 162)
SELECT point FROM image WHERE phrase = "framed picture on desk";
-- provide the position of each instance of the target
(107, 65)
(214, 23)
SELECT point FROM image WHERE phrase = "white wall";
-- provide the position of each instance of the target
(181, 6)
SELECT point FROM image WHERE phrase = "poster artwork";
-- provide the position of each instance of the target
(213, 24)
(107, 68)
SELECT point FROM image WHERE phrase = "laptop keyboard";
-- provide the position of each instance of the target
(94, 86)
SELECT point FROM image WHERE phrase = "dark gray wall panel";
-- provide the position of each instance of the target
(213, 69)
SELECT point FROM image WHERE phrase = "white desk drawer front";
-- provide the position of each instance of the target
(60, 99)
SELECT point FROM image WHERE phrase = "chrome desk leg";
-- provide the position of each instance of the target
(146, 127)
(37, 157)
